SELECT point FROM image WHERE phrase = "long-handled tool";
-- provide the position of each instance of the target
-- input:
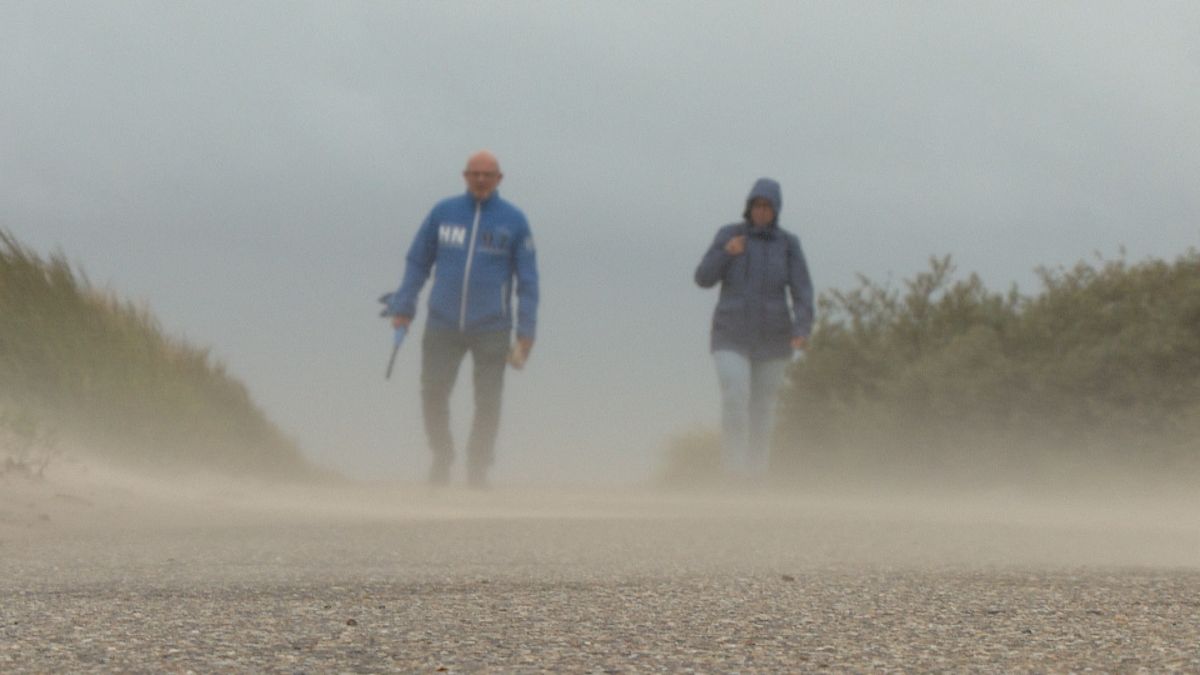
(397, 340)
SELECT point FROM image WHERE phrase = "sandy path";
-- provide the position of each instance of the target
(103, 572)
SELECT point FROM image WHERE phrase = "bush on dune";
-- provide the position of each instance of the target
(1103, 366)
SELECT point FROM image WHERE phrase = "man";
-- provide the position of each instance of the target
(480, 245)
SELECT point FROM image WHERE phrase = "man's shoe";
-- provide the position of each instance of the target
(477, 478)
(439, 474)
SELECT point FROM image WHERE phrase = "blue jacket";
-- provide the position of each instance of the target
(752, 315)
(479, 249)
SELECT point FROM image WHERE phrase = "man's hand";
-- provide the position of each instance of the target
(736, 245)
(401, 321)
(800, 343)
(520, 352)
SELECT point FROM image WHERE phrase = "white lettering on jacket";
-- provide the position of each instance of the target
(452, 235)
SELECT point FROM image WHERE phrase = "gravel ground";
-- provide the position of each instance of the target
(487, 583)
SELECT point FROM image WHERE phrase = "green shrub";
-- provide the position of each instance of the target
(1102, 366)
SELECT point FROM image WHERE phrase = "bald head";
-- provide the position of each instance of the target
(483, 160)
(482, 174)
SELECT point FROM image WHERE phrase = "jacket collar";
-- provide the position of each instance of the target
(768, 232)
(490, 198)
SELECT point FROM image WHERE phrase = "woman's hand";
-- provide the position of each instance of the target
(800, 343)
(736, 245)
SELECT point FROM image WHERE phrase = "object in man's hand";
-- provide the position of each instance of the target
(397, 340)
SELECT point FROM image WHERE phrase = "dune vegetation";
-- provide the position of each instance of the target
(81, 367)
(943, 378)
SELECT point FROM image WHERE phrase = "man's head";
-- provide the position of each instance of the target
(482, 174)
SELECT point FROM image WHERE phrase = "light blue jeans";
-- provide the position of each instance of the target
(749, 391)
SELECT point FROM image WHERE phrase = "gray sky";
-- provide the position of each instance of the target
(255, 172)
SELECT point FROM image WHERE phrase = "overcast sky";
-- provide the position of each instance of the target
(255, 171)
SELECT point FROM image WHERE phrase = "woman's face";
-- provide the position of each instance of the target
(761, 212)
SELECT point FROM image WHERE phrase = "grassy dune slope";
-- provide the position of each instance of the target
(101, 371)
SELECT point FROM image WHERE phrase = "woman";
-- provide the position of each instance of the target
(754, 331)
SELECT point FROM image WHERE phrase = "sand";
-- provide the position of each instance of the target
(107, 570)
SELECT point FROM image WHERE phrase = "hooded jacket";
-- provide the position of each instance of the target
(753, 316)
(477, 250)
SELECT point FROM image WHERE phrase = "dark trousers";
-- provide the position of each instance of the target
(442, 353)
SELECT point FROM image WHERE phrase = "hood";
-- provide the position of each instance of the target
(769, 189)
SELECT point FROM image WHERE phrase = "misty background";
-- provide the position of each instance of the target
(255, 172)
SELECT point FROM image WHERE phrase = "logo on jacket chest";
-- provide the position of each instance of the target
(496, 240)
(452, 235)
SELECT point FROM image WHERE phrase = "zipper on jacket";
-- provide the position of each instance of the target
(749, 236)
(462, 312)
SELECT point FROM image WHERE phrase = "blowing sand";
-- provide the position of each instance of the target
(102, 570)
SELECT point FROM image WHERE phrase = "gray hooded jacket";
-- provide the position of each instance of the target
(753, 315)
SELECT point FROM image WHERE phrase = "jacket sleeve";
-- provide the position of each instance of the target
(715, 261)
(801, 289)
(418, 264)
(527, 285)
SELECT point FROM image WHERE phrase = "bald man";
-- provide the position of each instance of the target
(483, 250)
